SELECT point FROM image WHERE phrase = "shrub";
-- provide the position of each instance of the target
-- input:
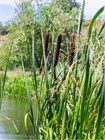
(16, 87)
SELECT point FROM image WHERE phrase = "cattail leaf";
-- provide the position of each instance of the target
(101, 110)
(25, 124)
(17, 131)
(4, 79)
(86, 85)
(103, 26)
(93, 21)
(34, 65)
(28, 91)
(45, 61)
(81, 17)
(76, 55)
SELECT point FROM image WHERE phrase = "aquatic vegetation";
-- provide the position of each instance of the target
(72, 106)
(69, 102)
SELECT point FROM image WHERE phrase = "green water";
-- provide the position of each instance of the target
(14, 109)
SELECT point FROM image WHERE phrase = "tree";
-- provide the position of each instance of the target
(21, 31)
(29, 22)
(59, 15)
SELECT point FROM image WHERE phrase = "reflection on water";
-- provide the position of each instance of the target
(14, 109)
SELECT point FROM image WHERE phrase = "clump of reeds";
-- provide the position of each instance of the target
(72, 48)
(57, 49)
(46, 39)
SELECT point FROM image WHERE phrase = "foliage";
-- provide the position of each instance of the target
(29, 21)
(69, 105)
(16, 87)
(20, 32)
(3, 58)
(73, 104)
(58, 15)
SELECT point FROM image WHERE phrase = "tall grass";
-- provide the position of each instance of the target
(72, 106)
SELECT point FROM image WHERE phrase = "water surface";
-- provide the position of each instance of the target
(15, 110)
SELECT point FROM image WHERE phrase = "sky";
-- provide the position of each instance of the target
(7, 7)
(92, 7)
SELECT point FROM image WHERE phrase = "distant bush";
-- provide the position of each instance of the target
(16, 87)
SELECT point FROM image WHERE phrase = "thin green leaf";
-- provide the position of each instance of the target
(26, 125)
(93, 21)
(81, 17)
(86, 85)
(100, 115)
(27, 89)
(103, 26)
(33, 64)
(17, 131)
(45, 63)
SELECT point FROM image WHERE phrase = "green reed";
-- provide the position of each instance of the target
(72, 104)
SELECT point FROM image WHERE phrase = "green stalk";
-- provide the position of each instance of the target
(2, 84)
(76, 57)
(45, 63)
(81, 18)
(86, 85)
(93, 21)
(9, 54)
(15, 127)
(28, 93)
(103, 26)
(63, 121)
(34, 65)
(101, 109)
(52, 53)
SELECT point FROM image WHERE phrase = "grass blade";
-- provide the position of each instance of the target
(45, 63)
(33, 65)
(93, 21)
(76, 57)
(28, 92)
(101, 108)
(103, 26)
(4, 79)
(17, 131)
(26, 125)
(86, 85)
(81, 17)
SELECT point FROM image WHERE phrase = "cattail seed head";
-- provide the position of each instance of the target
(56, 54)
(46, 39)
(72, 48)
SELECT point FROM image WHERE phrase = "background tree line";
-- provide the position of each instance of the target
(60, 16)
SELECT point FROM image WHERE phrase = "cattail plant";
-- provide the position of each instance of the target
(56, 54)
(72, 48)
(46, 38)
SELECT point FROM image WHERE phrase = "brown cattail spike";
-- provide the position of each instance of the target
(56, 54)
(72, 48)
(46, 38)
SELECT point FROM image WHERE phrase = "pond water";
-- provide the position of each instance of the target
(15, 110)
